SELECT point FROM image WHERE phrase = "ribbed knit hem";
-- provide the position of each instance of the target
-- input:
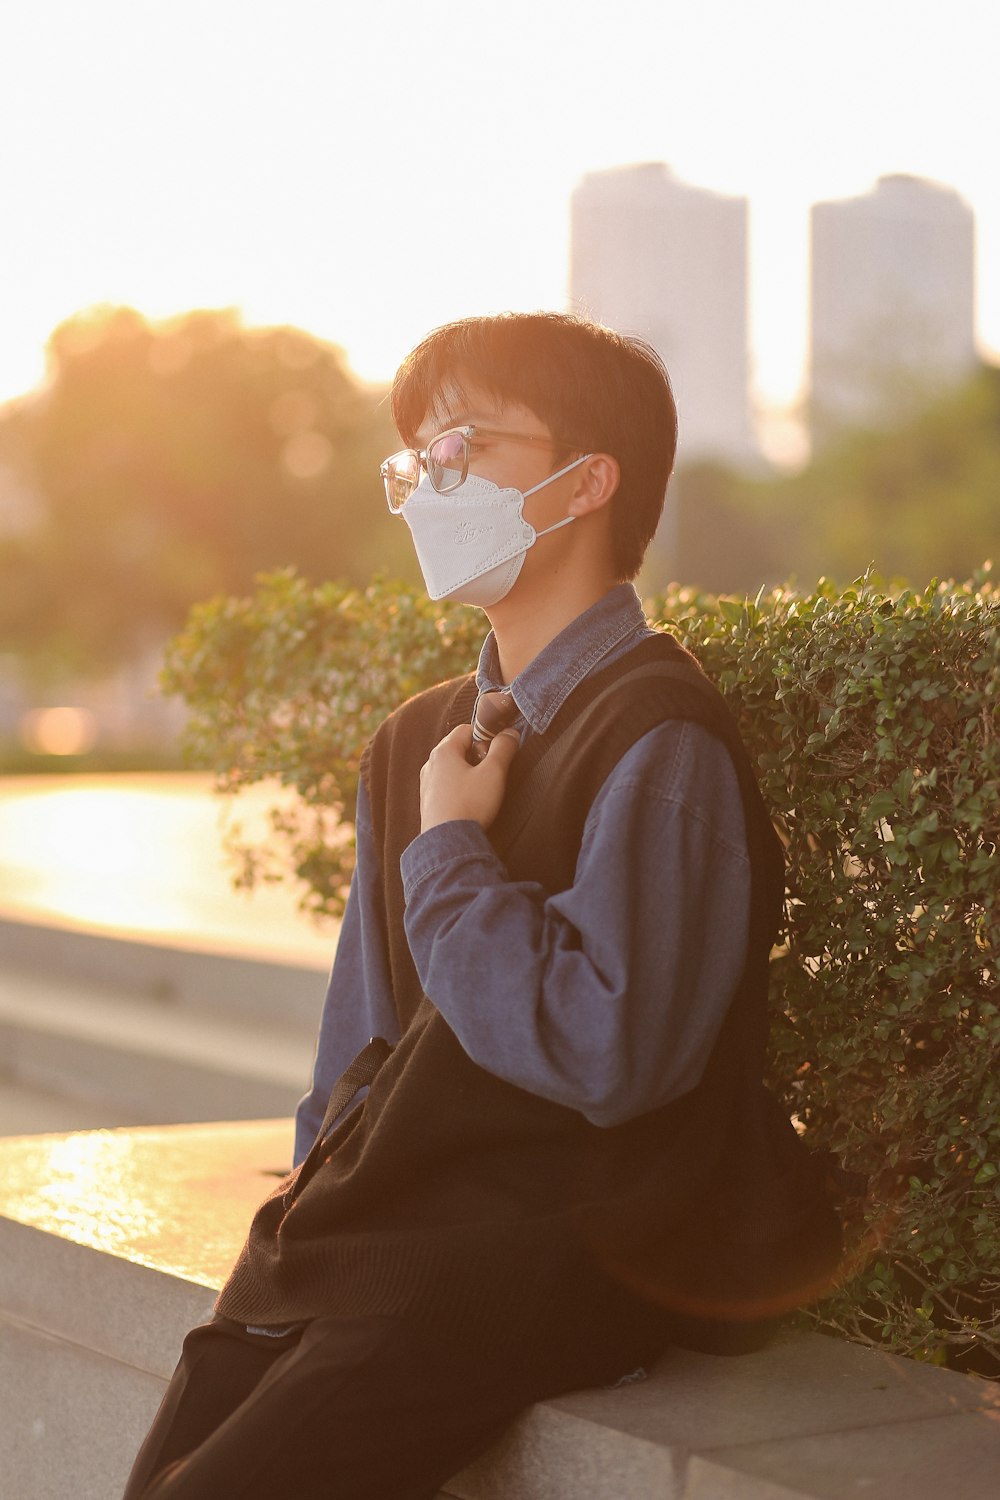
(455, 1279)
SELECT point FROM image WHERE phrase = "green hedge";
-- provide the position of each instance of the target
(875, 725)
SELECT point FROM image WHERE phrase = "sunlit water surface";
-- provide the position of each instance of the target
(141, 856)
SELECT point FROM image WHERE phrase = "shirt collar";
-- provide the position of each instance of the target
(547, 681)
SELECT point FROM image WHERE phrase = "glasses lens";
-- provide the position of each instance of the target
(401, 473)
(447, 461)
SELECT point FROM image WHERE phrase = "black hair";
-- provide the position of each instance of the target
(596, 390)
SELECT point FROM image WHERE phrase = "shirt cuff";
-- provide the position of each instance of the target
(446, 844)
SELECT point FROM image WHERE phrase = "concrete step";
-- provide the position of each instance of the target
(202, 978)
(159, 1064)
(151, 1037)
(27, 1110)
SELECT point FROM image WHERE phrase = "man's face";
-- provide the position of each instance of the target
(508, 462)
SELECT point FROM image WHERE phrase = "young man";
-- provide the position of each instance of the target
(557, 940)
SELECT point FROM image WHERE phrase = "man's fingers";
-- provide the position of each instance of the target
(452, 789)
(503, 747)
(454, 744)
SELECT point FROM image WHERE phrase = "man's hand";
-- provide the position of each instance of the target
(450, 788)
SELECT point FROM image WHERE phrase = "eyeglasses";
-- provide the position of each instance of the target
(445, 460)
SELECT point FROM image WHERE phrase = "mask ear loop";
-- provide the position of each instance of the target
(550, 479)
(554, 527)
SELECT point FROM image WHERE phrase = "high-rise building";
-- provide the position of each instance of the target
(893, 302)
(653, 256)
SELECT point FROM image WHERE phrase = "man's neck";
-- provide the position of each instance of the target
(525, 623)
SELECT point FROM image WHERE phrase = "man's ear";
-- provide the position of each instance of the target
(598, 480)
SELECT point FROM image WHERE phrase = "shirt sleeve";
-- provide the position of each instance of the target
(358, 1002)
(606, 997)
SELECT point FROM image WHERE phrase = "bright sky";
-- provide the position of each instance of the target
(370, 170)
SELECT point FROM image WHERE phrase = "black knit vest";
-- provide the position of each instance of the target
(453, 1196)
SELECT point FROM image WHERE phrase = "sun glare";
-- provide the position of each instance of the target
(268, 167)
(142, 856)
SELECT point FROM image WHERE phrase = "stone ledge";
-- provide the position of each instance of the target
(112, 1244)
(839, 1420)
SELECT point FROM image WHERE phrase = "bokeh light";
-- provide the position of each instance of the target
(59, 731)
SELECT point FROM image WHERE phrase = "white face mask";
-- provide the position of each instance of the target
(471, 543)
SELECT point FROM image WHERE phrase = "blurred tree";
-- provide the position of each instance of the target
(918, 500)
(175, 460)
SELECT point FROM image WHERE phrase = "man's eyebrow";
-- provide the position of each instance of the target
(475, 419)
(440, 423)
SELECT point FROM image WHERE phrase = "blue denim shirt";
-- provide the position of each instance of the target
(606, 997)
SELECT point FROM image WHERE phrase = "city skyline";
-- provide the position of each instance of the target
(892, 301)
(163, 312)
(658, 257)
(177, 157)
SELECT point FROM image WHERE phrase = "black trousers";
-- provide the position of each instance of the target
(365, 1408)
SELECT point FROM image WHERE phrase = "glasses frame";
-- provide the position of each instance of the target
(466, 432)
